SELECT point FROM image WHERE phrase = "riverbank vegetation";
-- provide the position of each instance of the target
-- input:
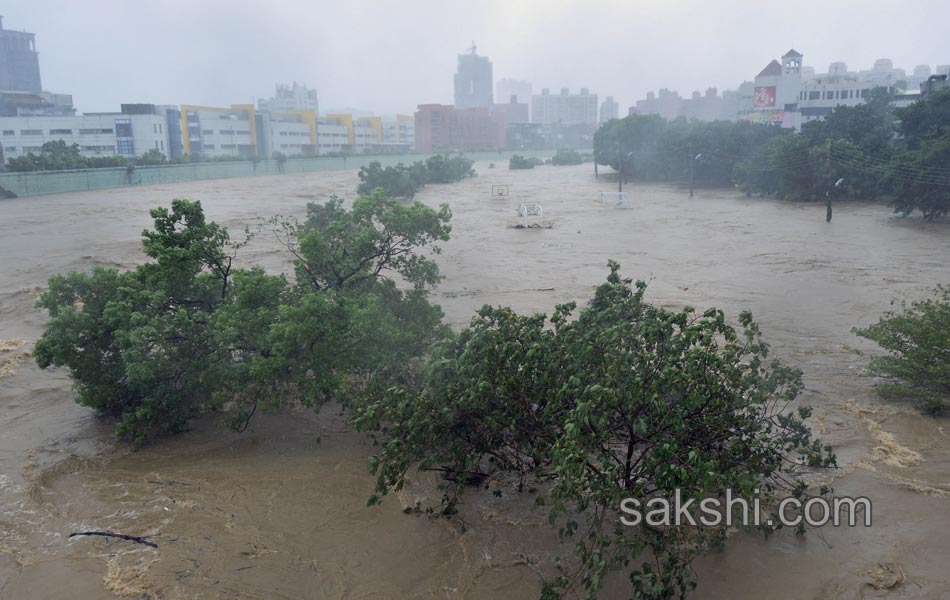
(917, 341)
(898, 156)
(580, 409)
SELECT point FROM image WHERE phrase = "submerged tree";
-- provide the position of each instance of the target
(187, 332)
(619, 400)
(917, 341)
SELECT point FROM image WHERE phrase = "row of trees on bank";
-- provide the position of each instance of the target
(899, 156)
(59, 156)
(403, 181)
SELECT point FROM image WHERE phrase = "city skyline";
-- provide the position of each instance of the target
(217, 54)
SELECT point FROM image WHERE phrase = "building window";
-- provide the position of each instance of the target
(60, 131)
(10, 149)
(94, 131)
(31, 132)
(209, 146)
(9, 132)
(207, 131)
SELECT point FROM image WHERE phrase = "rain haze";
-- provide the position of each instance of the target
(493, 299)
(388, 57)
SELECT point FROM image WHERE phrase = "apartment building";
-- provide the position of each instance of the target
(564, 108)
(441, 127)
(99, 134)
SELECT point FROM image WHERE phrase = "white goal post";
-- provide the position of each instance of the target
(531, 210)
(615, 199)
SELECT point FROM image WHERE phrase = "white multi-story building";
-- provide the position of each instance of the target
(242, 131)
(211, 132)
(291, 133)
(401, 131)
(367, 134)
(787, 93)
(333, 135)
(97, 135)
(289, 98)
(609, 109)
(564, 108)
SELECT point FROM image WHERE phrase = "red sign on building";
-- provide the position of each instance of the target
(764, 97)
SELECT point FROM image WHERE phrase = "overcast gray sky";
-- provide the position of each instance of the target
(389, 56)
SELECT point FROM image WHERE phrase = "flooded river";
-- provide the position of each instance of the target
(280, 511)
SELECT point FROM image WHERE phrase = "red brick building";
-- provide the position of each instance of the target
(444, 127)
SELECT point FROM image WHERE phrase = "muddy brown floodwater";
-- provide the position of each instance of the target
(280, 511)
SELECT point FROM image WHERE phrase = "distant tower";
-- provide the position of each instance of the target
(791, 81)
(473, 81)
(792, 63)
(19, 62)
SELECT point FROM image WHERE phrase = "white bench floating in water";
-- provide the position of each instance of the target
(615, 200)
(531, 210)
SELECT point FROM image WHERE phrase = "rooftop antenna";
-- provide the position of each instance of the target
(473, 48)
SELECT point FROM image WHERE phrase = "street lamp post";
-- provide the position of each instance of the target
(828, 201)
(692, 173)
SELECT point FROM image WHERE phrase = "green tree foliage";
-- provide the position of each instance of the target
(187, 333)
(566, 156)
(917, 341)
(399, 181)
(139, 344)
(58, 155)
(281, 159)
(519, 162)
(402, 181)
(649, 148)
(448, 169)
(151, 158)
(622, 399)
(921, 178)
(899, 156)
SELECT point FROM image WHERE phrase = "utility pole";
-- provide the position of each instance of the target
(622, 162)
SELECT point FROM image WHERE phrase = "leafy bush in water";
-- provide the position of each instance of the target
(400, 181)
(187, 332)
(444, 169)
(519, 162)
(566, 156)
(404, 181)
(917, 340)
(622, 399)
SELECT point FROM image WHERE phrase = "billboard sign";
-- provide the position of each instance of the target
(764, 97)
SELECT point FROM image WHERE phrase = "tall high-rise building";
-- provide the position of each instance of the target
(609, 109)
(473, 81)
(564, 108)
(19, 62)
